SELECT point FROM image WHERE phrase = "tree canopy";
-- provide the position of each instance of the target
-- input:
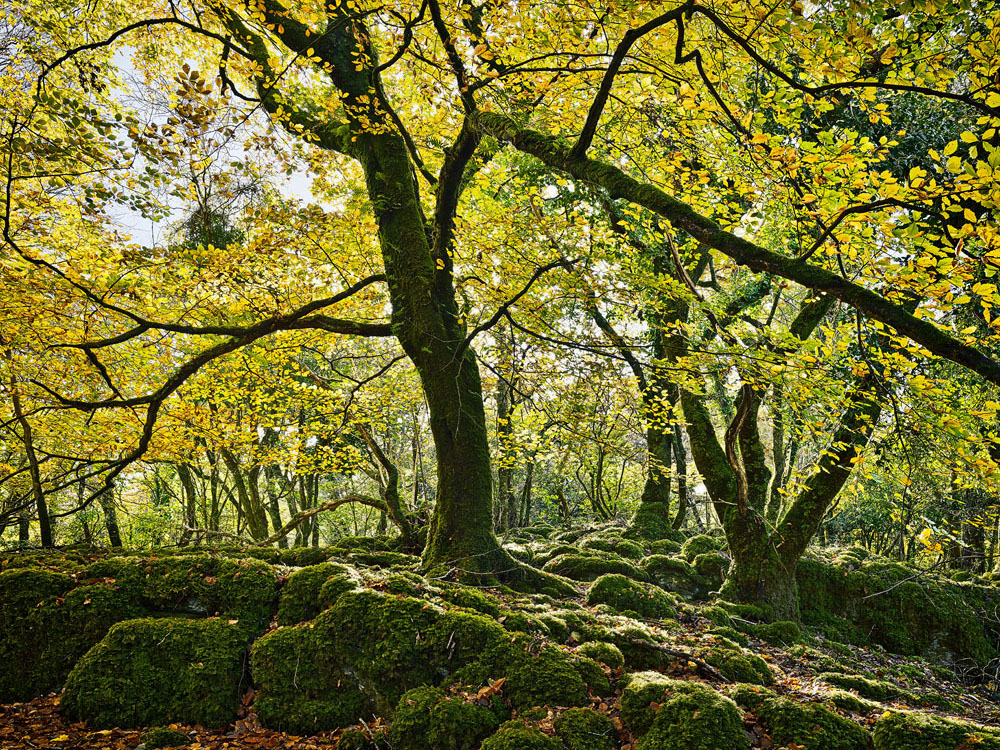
(463, 264)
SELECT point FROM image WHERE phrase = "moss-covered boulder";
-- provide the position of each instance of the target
(516, 735)
(46, 625)
(712, 567)
(300, 596)
(605, 653)
(589, 567)
(615, 545)
(678, 715)
(738, 665)
(356, 659)
(159, 670)
(810, 725)
(428, 717)
(882, 601)
(585, 729)
(701, 544)
(906, 730)
(242, 589)
(624, 595)
(675, 575)
(877, 690)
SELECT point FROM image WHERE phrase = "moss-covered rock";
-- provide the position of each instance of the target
(428, 717)
(585, 729)
(877, 690)
(245, 590)
(738, 665)
(700, 544)
(810, 725)
(46, 625)
(299, 598)
(664, 547)
(846, 701)
(605, 653)
(678, 715)
(675, 575)
(906, 730)
(712, 567)
(730, 634)
(158, 737)
(935, 618)
(470, 598)
(781, 633)
(516, 735)
(159, 670)
(356, 659)
(615, 545)
(624, 595)
(588, 567)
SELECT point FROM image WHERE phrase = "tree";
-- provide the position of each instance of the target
(409, 106)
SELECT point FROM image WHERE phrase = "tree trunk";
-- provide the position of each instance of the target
(107, 501)
(37, 492)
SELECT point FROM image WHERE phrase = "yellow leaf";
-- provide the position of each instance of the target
(968, 137)
(951, 148)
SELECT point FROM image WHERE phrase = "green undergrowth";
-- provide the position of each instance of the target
(357, 638)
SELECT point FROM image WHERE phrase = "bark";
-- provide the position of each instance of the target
(107, 502)
(248, 497)
(37, 491)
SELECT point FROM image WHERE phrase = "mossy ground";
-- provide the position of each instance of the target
(358, 634)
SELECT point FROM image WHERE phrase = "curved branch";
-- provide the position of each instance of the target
(742, 251)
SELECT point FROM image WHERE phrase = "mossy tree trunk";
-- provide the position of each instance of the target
(416, 256)
(738, 480)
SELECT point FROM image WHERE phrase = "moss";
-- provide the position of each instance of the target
(301, 689)
(585, 729)
(877, 690)
(299, 598)
(334, 586)
(582, 567)
(688, 716)
(652, 521)
(664, 547)
(159, 670)
(641, 690)
(712, 567)
(738, 665)
(675, 575)
(905, 730)
(356, 738)
(406, 583)
(623, 595)
(714, 614)
(938, 619)
(809, 725)
(558, 627)
(429, 717)
(521, 622)
(605, 653)
(357, 658)
(244, 589)
(46, 626)
(471, 598)
(516, 735)
(782, 633)
(730, 634)
(850, 702)
(593, 675)
(616, 545)
(383, 559)
(158, 737)
(700, 544)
